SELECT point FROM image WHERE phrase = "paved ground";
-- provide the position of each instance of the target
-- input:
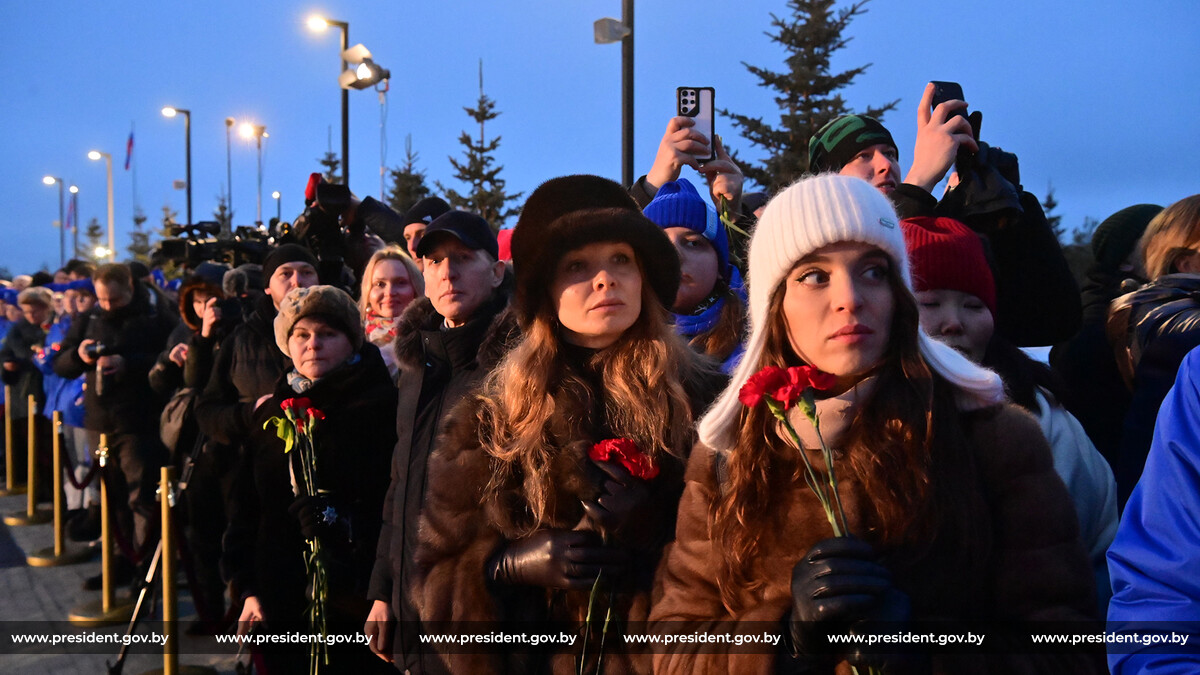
(37, 599)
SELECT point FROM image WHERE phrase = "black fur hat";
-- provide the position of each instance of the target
(566, 213)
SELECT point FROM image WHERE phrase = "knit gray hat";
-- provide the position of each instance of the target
(813, 213)
(332, 305)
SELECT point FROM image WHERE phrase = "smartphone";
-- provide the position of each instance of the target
(948, 91)
(698, 104)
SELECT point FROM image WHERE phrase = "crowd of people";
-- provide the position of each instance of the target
(562, 427)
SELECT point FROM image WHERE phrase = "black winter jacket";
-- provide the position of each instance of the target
(438, 368)
(263, 547)
(246, 368)
(1151, 330)
(136, 332)
(18, 348)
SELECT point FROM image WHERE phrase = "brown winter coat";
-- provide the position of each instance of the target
(462, 528)
(1036, 570)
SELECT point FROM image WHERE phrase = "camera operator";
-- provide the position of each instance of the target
(247, 362)
(1037, 299)
(115, 346)
(343, 232)
(181, 372)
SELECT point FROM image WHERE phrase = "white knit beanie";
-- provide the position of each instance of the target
(815, 212)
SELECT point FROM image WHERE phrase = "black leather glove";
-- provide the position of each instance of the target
(321, 517)
(568, 559)
(624, 510)
(837, 584)
(890, 616)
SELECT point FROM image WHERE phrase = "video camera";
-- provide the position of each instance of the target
(320, 227)
(197, 243)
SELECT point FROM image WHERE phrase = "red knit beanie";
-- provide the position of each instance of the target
(945, 254)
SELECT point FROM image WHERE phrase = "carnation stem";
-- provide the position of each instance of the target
(814, 483)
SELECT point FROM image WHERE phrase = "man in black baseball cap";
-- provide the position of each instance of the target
(417, 220)
(446, 343)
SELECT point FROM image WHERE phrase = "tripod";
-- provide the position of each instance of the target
(147, 584)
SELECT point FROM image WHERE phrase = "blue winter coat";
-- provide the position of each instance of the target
(1154, 559)
(62, 394)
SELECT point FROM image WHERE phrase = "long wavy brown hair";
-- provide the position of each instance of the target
(645, 377)
(904, 445)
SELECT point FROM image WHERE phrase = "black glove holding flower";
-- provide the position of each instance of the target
(322, 517)
(569, 559)
(839, 587)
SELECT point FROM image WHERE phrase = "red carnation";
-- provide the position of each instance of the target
(763, 383)
(800, 378)
(628, 454)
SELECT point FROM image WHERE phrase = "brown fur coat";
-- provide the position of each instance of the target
(463, 526)
(1035, 568)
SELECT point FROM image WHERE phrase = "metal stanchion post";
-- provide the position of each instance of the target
(106, 611)
(168, 555)
(61, 554)
(171, 647)
(31, 516)
(11, 487)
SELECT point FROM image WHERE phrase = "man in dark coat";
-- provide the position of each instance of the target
(447, 343)
(115, 345)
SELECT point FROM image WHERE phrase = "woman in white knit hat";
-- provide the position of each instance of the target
(953, 510)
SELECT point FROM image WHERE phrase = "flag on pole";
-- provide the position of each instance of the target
(129, 151)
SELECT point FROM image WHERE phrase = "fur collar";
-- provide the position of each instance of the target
(420, 315)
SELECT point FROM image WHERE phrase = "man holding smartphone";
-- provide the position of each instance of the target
(1038, 301)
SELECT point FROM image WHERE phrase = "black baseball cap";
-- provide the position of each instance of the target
(468, 228)
(426, 210)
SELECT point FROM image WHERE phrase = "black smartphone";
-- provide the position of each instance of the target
(698, 103)
(948, 91)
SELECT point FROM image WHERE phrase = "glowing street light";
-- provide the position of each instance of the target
(319, 24)
(170, 111)
(74, 190)
(278, 208)
(95, 155)
(62, 225)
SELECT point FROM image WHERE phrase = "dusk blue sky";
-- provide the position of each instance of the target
(1098, 98)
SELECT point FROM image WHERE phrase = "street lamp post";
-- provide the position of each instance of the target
(228, 173)
(75, 221)
(606, 31)
(278, 208)
(62, 223)
(187, 132)
(257, 132)
(112, 235)
(319, 24)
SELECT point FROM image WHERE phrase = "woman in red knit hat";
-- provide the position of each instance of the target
(956, 298)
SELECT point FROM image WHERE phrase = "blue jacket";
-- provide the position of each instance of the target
(1154, 559)
(63, 395)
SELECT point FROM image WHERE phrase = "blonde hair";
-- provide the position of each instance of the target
(390, 252)
(1171, 235)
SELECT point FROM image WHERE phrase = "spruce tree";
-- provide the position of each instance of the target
(806, 92)
(408, 183)
(94, 232)
(487, 196)
(222, 214)
(139, 240)
(331, 162)
(1054, 220)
